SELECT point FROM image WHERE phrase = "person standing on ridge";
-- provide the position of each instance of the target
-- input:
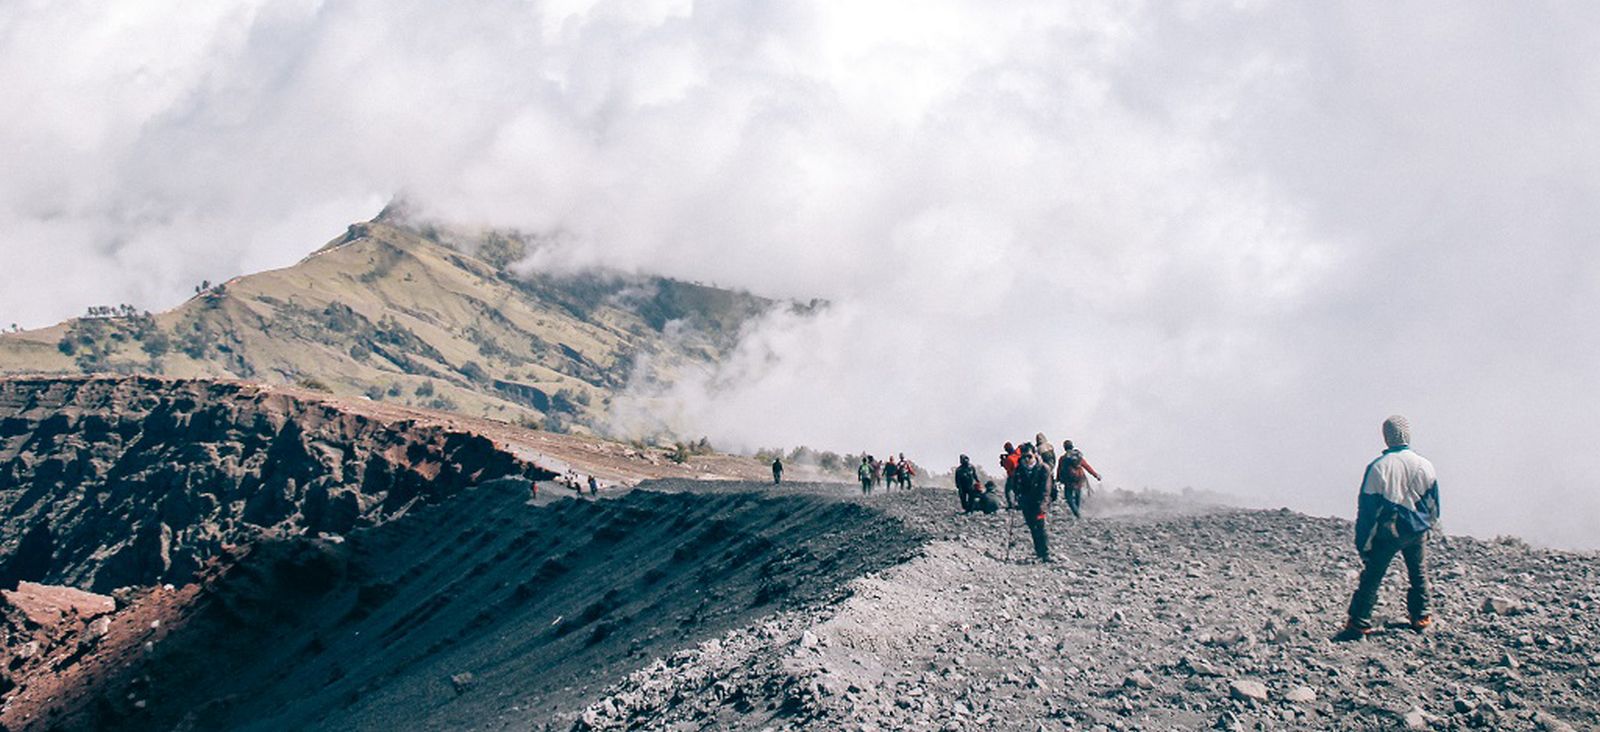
(777, 470)
(967, 485)
(1047, 458)
(1008, 462)
(1073, 474)
(864, 473)
(594, 486)
(1033, 489)
(1397, 506)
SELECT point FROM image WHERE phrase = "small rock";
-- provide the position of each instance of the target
(1509, 661)
(1247, 690)
(1502, 606)
(1415, 719)
(1464, 706)
(462, 681)
(1201, 668)
(1300, 695)
(1549, 723)
(808, 640)
(1138, 680)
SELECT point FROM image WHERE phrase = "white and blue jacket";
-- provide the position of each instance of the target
(1400, 488)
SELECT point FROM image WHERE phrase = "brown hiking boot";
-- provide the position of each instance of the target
(1422, 624)
(1352, 632)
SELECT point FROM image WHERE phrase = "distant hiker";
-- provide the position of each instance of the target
(877, 470)
(1032, 489)
(967, 490)
(777, 470)
(1073, 472)
(891, 474)
(1398, 504)
(1008, 462)
(1047, 458)
(905, 470)
(865, 474)
(594, 486)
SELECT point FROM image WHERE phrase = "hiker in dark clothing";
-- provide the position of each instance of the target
(1073, 472)
(594, 486)
(777, 470)
(891, 474)
(1398, 505)
(985, 500)
(864, 473)
(967, 485)
(1033, 488)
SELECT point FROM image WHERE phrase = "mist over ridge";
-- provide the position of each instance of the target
(1215, 246)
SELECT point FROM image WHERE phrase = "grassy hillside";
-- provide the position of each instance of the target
(391, 313)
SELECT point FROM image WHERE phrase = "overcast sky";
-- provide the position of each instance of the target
(1216, 244)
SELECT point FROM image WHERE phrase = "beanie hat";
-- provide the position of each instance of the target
(1396, 431)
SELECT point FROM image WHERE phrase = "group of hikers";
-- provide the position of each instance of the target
(1397, 507)
(1036, 477)
(889, 472)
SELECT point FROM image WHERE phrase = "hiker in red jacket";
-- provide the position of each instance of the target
(1008, 462)
(1073, 472)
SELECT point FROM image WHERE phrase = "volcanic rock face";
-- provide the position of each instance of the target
(108, 482)
(480, 612)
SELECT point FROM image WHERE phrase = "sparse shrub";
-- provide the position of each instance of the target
(375, 393)
(474, 372)
(395, 389)
(425, 389)
(314, 384)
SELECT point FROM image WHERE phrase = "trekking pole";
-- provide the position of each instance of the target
(1008, 534)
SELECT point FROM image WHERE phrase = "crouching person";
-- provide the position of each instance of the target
(1399, 503)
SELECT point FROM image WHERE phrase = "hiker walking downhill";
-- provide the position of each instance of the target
(1398, 504)
(1033, 489)
(1073, 474)
(777, 470)
(864, 473)
(967, 485)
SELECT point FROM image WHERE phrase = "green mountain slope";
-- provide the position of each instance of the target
(391, 313)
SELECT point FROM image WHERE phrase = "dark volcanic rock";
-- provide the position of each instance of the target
(115, 481)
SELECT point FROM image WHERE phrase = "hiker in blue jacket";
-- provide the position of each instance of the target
(1399, 503)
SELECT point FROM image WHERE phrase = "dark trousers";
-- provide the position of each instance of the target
(1377, 565)
(1034, 516)
(1074, 496)
(969, 499)
(866, 487)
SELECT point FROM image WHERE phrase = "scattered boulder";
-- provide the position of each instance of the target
(1300, 695)
(1502, 606)
(1248, 690)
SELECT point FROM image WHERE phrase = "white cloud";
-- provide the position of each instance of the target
(1216, 245)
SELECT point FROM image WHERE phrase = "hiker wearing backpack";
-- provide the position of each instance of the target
(1008, 462)
(967, 485)
(905, 470)
(1397, 506)
(777, 470)
(1073, 472)
(864, 473)
(1033, 489)
(1047, 458)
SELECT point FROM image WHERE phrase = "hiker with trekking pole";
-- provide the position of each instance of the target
(1032, 481)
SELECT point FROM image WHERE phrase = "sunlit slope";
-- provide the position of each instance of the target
(390, 313)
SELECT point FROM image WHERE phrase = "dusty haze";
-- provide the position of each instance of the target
(1216, 246)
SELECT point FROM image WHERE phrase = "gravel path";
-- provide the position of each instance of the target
(1157, 615)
